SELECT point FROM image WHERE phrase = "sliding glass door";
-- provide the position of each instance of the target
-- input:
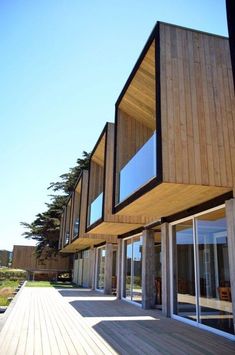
(132, 269)
(201, 279)
(100, 268)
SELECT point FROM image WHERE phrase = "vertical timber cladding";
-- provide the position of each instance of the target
(197, 108)
(96, 171)
(136, 112)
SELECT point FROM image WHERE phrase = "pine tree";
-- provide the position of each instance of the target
(45, 229)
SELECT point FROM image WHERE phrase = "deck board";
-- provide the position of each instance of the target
(46, 321)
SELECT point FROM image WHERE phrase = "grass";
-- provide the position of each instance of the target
(38, 284)
(50, 284)
(8, 283)
(4, 301)
(6, 289)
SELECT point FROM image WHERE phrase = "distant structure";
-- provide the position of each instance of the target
(24, 257)
(5, 257)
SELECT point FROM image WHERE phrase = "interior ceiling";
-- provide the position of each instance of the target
(139, 99)
(98, 156)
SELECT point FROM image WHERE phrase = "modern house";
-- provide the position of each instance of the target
(160, 208)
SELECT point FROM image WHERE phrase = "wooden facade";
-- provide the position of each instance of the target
(78, 205)
(175, 125)
(195, 121)
(24, 257)
(100, 181)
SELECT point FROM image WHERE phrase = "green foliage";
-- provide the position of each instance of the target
(45, 228)
(4, 301)
(11, 275)
(51, 284)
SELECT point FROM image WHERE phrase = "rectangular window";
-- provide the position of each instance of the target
(201, 275)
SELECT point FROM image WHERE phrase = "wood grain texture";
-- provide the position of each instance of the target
(167, 199)
(139, 99)
(24, 257)
(197, 108)
(80, 321)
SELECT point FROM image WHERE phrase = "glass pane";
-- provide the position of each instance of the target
(96, 209)
(127, 276)
(215, 291)
(100, 268)
(137, 270)
(139, 170)
(184, 277)
(158, 273)
(76, 227)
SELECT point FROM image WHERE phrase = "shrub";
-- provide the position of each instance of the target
(12, 274)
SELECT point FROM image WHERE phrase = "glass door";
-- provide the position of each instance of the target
(132, 269)
(184, 271)
(201, 290)
(100, 268)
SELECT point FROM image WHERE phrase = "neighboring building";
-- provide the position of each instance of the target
(5, 257)
(42, 268)
(153, 219)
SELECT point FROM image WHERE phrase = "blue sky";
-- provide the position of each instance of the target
(63, 64)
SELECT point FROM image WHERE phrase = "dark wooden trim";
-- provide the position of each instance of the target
(230, 7)
(115, 160)
(99, 245)
(137, 64)
(159, 168)
(130, 233)
(138, 193)
(153, 225)
(94, 225)
(104, 131)
(155, 35)
(80, 207)
(199, 208)
(71, 216)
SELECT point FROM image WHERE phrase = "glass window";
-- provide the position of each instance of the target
(100, 268)
(139, 170)
(184, 276)
(132, 286)
(215, 304)
(201, 287)
(95, 209)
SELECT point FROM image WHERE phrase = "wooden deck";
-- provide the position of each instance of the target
(78, 321)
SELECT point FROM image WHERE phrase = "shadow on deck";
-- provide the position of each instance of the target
(131, 330)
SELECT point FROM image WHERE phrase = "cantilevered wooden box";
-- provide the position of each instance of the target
(175, 125)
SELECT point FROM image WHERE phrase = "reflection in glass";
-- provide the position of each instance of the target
(128, 261)
(66, 240)
(185, 300)
(139, 170)
(158, 273)
(100, 268)
(204, 294)
(132, 288)
(215, 291)
(76, 227)
(95, 209)
(137, 270)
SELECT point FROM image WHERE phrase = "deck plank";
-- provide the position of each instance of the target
(45, 321)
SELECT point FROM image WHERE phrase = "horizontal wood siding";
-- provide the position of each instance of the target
(197, 108)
